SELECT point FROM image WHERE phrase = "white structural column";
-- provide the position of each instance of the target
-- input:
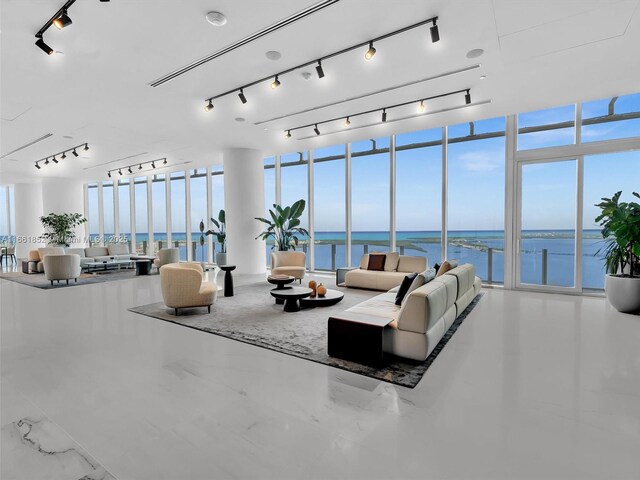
(63, 195)
(244, 200)
(28, 210)
(511, 243)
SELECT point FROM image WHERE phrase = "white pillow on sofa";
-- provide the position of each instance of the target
(118, 249)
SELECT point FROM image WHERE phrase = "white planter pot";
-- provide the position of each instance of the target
(623, 293)
(221, 258)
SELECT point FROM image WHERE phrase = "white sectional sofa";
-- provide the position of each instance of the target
(426, 313)
(113, 251)
(396, 267)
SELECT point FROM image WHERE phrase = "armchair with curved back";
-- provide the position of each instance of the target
(183, 286)
(288, 263)
(166, 256)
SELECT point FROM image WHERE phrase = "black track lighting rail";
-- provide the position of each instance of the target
(318, 61)
(129, 169)
(347, 118)
(63, 154)
(59, 13)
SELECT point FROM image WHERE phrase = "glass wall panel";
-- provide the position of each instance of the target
(159, 200)
(611, 118)
(547, 128)
(108, 211)
(12, 212)
(370, 184)
(199, 250)
(476, 167)
(93, 217)
(178, 213)
(604, 175)
(142, 221)
(124, 211)
(419, 194)
(329, 207)
(217, 198)
(269, 193)
(4, 217)
(294, 184)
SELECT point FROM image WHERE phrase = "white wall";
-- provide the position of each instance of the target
(244, 200)
(63, 195)
(28, 210)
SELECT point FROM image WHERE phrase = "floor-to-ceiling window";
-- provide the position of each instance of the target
(475, 188)
(611, 118)
(124, 211)
(217, 199)
(552, 127)
(5, 227)
(198, 192)
(329, 207)
(108, 211)
(159, 214)
(370, 187)
(93, 215)
(295, 186)
(269, 193)
(419, 194)
(178, 213)
(142, 219)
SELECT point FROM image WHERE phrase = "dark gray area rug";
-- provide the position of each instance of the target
(38, 280)
(251, 316)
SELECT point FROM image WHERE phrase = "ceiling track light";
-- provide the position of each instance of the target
(164, 162)
(208, 107)
(129, 168)
(275, 78)
(288, 134)
(383, 110)
(243, 99)
(140, 167)
(371, 52)
(120, 171)
(435, 33)
(43, 46)
(62, 21)
(62, 154)
(109, 174)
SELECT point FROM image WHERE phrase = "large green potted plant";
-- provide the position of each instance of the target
(620, 222)
(284, 226)
(221, 235)
(59, 227)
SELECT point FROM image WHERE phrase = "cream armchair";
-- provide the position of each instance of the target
(166, 256)
(288, 263)
(62, 267)
(182, 286)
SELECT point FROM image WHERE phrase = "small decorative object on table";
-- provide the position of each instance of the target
(313, 286)
(321, 290)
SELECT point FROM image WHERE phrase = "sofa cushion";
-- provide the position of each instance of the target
(382, 305)
(404, 287)
(42, 251)
(429, 274)
(417, 283)
(118, 249)
(94, 252)
(376, 262)
(75, 251)
(373, 280)
(465, 276)
(364, 261)
(446, 266)
(410, 264)
(391, 262)
(424, 306)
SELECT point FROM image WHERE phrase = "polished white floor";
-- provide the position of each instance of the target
(531, 386)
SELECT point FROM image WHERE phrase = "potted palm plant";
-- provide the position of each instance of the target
(221, 236)
(59, 228)
(620, 222)
(284, 226)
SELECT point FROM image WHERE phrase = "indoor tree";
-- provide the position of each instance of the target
(284, 226)
(59, 227)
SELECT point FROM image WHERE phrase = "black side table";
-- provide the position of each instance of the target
(143, 267)
(228, 279)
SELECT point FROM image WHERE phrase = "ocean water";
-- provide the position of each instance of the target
(474, 247)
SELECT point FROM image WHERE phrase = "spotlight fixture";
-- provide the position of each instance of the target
(54, 159)
(120, 171)
(75, 154)
(109, 174)
(86, 147)
(140, 167)
(371, 52)
(129, 170)
(208, 107)
(243, 99)
(153, 165)
(435, 33)
(347, 121)
(38, 166)
(64, 155)
(274, 78)
(63, 20)
(46, 162)
(165, 162)
(43, 46)
(288, 133)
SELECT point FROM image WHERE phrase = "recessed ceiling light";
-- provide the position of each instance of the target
(239, 119)
(475, 53)
(482, 77)
(265, 129)
(273, 55)
(216, 19)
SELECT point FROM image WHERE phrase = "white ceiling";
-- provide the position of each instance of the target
(538, 53)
